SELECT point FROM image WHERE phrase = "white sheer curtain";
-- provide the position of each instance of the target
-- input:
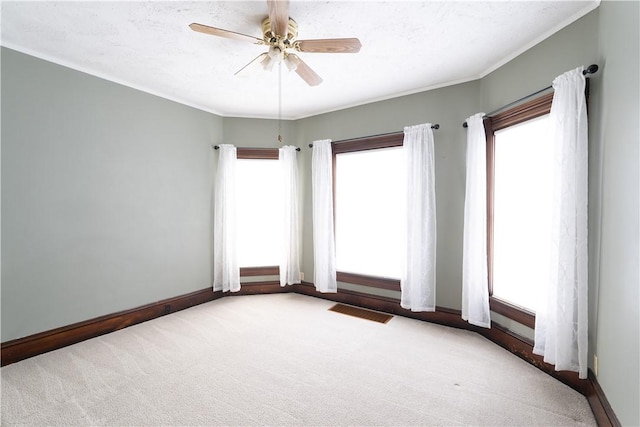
(475, 287)
(226, 273)
(289, 264)
(418, 282)
(324, 255)
(561, 321)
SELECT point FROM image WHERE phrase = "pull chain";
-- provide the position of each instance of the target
(280, 101)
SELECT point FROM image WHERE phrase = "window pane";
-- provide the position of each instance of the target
(259, 217)
(522, 212)
(370, 212)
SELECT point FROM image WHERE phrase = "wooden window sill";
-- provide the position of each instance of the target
(371, 281)
(513, 312)
(260, 271)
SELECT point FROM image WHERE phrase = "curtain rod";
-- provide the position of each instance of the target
(591, 69)
(216, 147)
(436, 127)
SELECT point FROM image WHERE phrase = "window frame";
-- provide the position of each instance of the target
(390, 140)
(247, 153)
(530, 110)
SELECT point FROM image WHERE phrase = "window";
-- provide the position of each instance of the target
(519, 212)
(258, 219)
(369, 210)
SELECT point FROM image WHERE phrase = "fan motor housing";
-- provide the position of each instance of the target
(282, 41)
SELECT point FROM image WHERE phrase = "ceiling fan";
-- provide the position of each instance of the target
(280, 33)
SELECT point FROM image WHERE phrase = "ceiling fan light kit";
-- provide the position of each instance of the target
(291, 61)
(280, 33)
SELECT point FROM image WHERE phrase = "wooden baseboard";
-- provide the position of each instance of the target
(599, 404)
(518, 345)
(258, 288)
(43, 342)
(453, 318)
(33, 345)
(447, 317)
(442, 316)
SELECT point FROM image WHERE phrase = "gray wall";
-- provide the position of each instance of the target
(615, 153)
(608, 37)
(448, 107)
(243, 132)
(535, 69)
(263, 133)
(105, 196)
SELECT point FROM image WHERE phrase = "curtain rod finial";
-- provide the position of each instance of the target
(591, 69)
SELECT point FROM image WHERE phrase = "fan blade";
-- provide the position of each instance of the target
(224, 33)
(279, 16)
(351, 45)
(246, 70)
(307, 74)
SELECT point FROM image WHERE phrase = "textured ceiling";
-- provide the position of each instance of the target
(407, 47)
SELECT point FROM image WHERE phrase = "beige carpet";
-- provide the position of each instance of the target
(284, 360)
